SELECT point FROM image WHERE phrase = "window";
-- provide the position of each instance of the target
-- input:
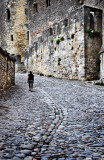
(11, 37)
(7, 65)
(47, 3)
(51, 31)
(36, 47)
(8, 14)
(35, 7)
(65, 22)
(58, 29)
(92, 25)
(26, 11)
(27, 35)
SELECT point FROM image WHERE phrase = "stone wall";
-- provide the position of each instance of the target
(7, 70)
(76, 56)
(93, 42)
(102, 63)
(45, 16)
(65, 59)
(14, 35)
(31, 28)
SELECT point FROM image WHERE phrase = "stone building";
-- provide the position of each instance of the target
(60, 38)
(65, 38)
(7, 70)
(14, 27)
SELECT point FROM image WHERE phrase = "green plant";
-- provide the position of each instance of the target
(62, 38)
(72, 48)
(92, 33)
(68, 37)
(24, 71)
(52, 41)
(57, 41)
(49, 75)
(72, 36)
(41, 74)
(85, 46)
(57, 113)
(55, 48)
(100, 83)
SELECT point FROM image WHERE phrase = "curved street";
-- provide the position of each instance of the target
(62, 119)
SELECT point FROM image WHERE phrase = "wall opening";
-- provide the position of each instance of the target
(51, 31)
(26, 11)
(11, 37)
(8, 14)
(35, 7)
(92, 23)
(66, 22)
(27, 35)
(59, 61)
(7, 66)
(36, 47)
(47, 3)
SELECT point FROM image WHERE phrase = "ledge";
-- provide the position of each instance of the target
(5, 53)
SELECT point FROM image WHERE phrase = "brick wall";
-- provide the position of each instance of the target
(7, 70)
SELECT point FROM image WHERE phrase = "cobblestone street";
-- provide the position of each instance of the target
(62, 119)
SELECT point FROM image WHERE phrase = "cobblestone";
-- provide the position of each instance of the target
(61, 119)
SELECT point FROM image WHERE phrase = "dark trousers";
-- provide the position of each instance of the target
(30, 84)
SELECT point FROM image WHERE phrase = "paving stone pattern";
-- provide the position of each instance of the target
(62, 119)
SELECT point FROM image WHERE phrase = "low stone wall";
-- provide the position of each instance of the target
(7, 70)
(102, 63)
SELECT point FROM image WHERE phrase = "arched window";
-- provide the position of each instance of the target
(8, 14)
(47, 3)
(92, 24)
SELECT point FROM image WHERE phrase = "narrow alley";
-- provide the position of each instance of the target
(62, 119)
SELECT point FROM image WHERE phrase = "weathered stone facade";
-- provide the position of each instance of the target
(56, 38)
(102, 63)
(14, 26)
(7, 70)
(93, 42)
(66, 37)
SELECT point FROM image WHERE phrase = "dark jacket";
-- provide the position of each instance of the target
(30, 77)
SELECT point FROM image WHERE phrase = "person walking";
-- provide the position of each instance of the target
(30, 81)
